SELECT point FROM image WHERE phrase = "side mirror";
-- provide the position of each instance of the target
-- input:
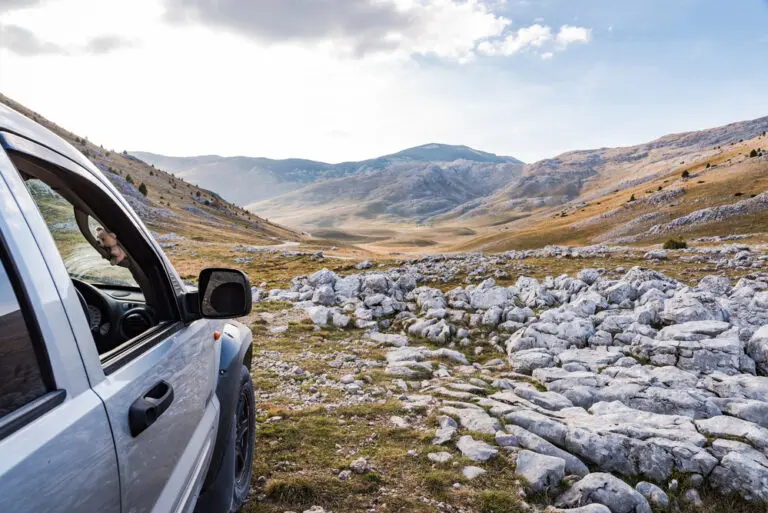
(224, 293)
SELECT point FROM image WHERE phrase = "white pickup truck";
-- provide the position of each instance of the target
(121, 388)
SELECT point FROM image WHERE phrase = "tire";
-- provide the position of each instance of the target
(244, 431)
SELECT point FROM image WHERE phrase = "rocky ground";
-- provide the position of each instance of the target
(458, 383)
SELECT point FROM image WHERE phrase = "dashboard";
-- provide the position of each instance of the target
(115, 314)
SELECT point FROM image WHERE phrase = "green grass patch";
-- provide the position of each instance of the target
(497, 501)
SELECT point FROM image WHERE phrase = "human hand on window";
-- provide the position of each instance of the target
(108, 241)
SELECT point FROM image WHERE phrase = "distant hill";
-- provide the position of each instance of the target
(407, 191)
(247, 180)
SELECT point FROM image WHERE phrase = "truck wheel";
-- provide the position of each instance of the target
(245, 438)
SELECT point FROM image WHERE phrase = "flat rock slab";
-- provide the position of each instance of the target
(724, 426)
(604, 489)
(548, 400)
(528, 440)
(473, 419)
(589, 508)
(476, 450)
(539, 470)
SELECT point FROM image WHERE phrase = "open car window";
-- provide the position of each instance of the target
(83, 261)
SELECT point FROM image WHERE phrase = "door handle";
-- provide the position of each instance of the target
(146, 409)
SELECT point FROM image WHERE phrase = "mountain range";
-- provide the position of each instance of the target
(692, 185)
(247, 180)
(470, 198)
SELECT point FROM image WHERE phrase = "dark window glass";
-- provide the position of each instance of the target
(21, 380)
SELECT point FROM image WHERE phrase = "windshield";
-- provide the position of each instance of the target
(80, 258)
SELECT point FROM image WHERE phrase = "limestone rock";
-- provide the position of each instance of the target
(604, 489)
(540, 471)
(476, 450)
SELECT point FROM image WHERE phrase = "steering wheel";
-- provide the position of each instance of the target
(110, 308)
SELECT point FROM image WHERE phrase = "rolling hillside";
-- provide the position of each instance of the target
(590, 174)
(689, 186)
(172, 204)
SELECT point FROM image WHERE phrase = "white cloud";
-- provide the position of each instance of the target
(547, 56)
(569, 35)
(515, 42)
(447, 28)
(287, 98)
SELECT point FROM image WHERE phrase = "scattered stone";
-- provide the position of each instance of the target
(653, 494)
(692, 497)
(359, 466)
(471, 472)
(447, 428)
(540, 471)
(604, 489)
(476, 450)
(439, 457)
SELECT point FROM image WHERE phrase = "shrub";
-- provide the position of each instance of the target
(631, 198)
(496, 501)
(143, 189)
(291, 490)
(129, 179)
(753, 154)
(709, 165)
(738, 194)
(685, 174)
(675, 244)
(659, 188)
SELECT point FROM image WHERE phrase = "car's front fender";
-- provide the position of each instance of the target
(236, 340)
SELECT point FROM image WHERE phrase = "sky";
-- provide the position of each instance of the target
(341, 80)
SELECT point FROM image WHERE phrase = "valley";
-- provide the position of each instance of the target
(438, 198)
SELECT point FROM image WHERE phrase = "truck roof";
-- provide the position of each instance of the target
(17, 123)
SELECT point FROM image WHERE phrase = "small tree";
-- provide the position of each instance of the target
(632, 198)
(143, 189)
(675, 244)
(753, 154)
(129, 179)
(685, 174)
(709, 165)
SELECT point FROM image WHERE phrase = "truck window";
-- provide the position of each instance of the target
(116, 275)
(21, 379)
(81, 259)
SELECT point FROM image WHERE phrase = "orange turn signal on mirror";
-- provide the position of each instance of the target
(216, 335)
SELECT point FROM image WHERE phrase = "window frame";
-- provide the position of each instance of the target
(57, 164)
(32, 410)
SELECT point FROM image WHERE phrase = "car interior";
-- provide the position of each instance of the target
(122, 297)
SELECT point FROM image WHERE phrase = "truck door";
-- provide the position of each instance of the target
(157, 380)
(56, 448)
